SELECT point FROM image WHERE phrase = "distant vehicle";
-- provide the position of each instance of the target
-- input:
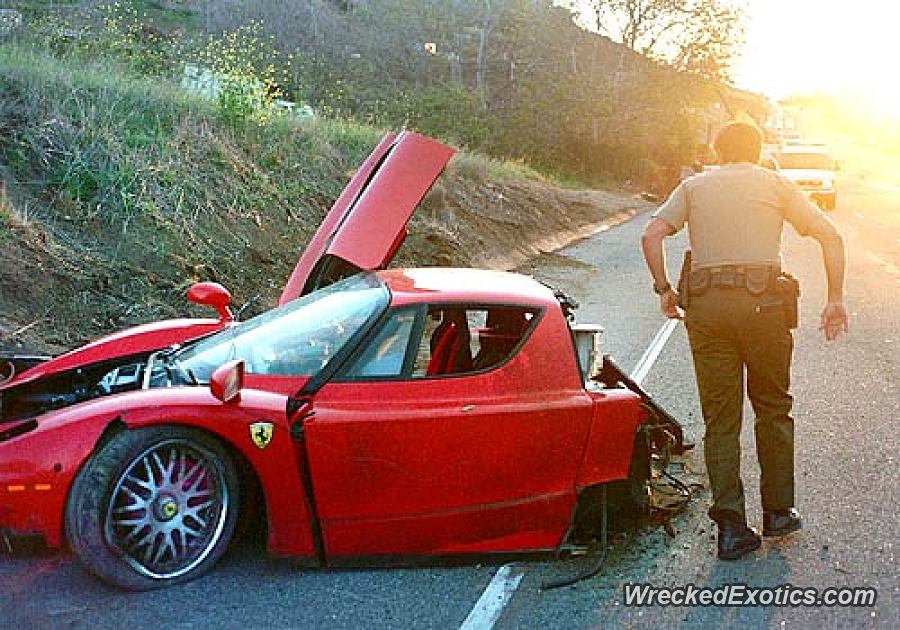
(810, 166)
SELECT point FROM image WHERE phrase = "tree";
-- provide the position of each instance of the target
(514, 78)
(698, 36)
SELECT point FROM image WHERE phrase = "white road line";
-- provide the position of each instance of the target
(494, 599)
(640, 371)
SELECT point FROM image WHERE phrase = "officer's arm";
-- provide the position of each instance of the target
(655, 256)
(654, 250)
(834, 316)
(810, 221)
(833, 254)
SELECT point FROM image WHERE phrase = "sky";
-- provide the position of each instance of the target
(844, 46)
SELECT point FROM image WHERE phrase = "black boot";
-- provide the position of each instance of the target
(781, 522)
(736, 539)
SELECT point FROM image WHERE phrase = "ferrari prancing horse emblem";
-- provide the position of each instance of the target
(261, 433)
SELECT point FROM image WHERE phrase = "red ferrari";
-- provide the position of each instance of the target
(374, 414)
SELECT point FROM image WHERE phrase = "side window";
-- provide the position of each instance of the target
(386, 353)
(459, 340)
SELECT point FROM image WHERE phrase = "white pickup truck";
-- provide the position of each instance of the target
(812, 167)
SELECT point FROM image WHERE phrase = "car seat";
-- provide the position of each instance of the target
(450, 350)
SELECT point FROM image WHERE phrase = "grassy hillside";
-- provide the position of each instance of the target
(120, 191)
(517, 79)
(124, 190)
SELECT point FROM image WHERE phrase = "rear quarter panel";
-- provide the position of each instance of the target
(616, 415)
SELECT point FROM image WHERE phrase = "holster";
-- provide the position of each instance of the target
(684, 294)
(788, 289)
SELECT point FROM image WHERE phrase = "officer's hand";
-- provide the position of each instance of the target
(668, 304)
(834, 320)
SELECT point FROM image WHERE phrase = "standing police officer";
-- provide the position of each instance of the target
(738, 307)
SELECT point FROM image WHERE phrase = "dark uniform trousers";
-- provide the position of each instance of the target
(733, 333)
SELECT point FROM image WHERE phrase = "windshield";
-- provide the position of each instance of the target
(296, 339)
(813, 161)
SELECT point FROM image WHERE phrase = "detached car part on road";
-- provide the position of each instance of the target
(411, 413)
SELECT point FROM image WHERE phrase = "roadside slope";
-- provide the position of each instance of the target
(120, 192)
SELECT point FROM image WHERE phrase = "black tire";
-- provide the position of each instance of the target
(153, 507)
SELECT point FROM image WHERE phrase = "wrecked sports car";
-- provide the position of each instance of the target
(373, 414)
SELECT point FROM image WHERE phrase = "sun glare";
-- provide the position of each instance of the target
(805, 46)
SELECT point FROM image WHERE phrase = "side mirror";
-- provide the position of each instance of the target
(214, 295)
(227, 381)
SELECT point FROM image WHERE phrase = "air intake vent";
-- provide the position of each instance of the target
(17, 430)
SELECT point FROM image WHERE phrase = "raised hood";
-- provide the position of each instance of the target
(367, 223)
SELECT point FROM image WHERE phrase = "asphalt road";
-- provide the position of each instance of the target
(846, 414)
(847, 404)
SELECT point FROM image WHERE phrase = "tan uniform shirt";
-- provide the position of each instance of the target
(735, 215)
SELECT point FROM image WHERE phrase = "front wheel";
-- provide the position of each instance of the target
(153, 507)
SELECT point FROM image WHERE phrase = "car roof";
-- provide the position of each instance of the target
(471, 286)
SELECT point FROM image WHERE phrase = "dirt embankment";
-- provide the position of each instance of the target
(499, 225)
(54, 296)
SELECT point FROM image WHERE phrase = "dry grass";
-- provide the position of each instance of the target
(483, 168)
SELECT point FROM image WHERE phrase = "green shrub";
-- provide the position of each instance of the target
(249, 70)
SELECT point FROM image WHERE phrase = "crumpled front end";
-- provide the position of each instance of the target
(28, 399)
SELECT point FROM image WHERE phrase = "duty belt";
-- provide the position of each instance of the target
(756, 279)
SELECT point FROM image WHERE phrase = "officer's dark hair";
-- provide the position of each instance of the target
(739, 142)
